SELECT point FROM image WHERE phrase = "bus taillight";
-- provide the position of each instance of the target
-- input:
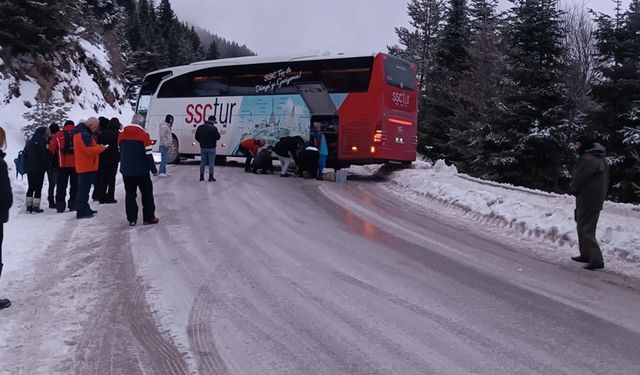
(400, 122)
(377, 138)
(373, 149)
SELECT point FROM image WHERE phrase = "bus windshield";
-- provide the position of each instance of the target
(399, 73)
(149, 87)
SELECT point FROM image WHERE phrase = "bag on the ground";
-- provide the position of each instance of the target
(68, 143)
(21, 164)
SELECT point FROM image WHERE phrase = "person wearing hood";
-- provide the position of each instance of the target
(6, 201)
(86, 152)
(38, 162)
(589, 184)
(109, 160)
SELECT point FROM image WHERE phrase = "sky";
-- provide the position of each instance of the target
(277, 27)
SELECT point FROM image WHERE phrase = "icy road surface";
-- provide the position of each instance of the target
(260, 275)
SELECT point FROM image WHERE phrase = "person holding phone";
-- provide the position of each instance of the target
(136, 165)
(86, 153)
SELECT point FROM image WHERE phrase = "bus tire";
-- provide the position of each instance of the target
(220, 160)
(174, 151)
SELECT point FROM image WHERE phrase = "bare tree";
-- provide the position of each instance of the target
(580, 61)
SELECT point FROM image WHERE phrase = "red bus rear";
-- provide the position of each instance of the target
(381, 124)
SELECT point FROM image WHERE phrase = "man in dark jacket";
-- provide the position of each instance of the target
(589, 185)
(136, 161)
(262, 161)
(207, 135)
(38, 162)
(286, 149)
(108, 162)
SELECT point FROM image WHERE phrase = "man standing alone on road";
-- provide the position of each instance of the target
(207, 135)
(589, 185)
(165, 140)
(86, 153)
(136, 161)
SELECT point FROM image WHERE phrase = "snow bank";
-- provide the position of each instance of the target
(511, 210)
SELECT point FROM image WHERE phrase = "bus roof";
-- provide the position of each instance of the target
(251, 60)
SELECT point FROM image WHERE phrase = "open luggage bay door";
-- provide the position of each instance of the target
(317, 99)
(323, 111)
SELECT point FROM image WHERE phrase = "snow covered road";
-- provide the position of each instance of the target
(258, 274)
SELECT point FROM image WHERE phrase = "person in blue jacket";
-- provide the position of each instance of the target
(319, 141)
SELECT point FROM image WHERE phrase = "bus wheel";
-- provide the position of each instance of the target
(220, 160)
(174, 151)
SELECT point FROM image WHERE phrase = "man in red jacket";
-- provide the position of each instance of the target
(61, 146)
(86, 152)
(249, 148)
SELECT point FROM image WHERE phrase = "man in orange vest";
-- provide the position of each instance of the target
(86, 152)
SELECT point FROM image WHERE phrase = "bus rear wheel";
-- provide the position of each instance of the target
(174, 151)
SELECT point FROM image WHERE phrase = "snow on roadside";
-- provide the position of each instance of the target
(517, 212)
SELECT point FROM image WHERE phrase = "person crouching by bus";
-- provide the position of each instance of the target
(207, 135)
(136, 162)
(38, 162)
(249, 148)
(61, 145)
(165, 139)
(286, 149)
(262, 161)
(86, 152)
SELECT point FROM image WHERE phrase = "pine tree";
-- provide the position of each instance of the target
(479, 87)
(170, 32)
(618, 94)
(212, 51)
(445, 102)
(46, 111)
(526, 146)
(33, 26)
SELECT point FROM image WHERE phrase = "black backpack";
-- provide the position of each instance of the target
(68, 142)
(21, 163)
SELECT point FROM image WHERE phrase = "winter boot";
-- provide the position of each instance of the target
(72, 204)
(4, 303)
(52, 203)
(36, 206)
(29, 203)
(201, 177)
(211, 179)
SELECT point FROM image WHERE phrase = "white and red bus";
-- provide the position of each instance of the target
(365, 104)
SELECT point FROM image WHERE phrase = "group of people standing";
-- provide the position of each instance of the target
(88, 154)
